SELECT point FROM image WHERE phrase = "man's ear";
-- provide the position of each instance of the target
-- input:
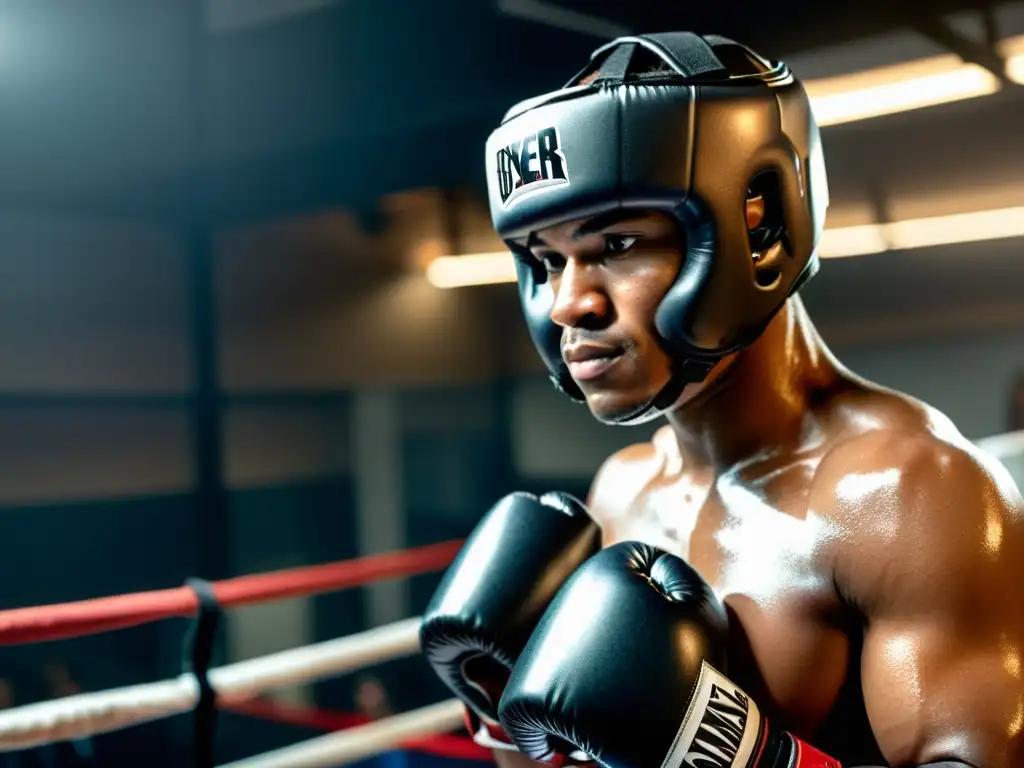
(755, 210)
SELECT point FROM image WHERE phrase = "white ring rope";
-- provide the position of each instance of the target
(247, 679)
(354, 744)
(1003, 446)
(75, 717)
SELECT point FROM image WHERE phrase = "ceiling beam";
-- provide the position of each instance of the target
(971, 51)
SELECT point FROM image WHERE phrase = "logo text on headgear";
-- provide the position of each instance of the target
(534, 162)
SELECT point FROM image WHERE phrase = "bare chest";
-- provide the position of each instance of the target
(768, 560)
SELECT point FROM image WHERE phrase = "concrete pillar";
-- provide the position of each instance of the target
(380, 503)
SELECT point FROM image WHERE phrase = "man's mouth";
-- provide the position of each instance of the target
(588, 361)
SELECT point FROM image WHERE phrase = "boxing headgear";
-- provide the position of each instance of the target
(684, 124)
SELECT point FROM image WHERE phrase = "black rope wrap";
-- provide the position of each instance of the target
(199, 647)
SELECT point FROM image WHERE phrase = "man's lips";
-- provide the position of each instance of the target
(588, 361)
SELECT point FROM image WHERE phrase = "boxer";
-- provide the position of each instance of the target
(664, 209)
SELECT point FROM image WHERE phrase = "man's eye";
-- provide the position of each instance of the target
(619, 243)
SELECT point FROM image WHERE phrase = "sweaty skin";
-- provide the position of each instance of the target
(871, 559)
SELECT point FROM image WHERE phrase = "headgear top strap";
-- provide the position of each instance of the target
(687, 54)
(691, 53)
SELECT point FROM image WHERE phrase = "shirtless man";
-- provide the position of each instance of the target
(869, 560)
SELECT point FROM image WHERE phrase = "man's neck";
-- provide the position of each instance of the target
(759, 404)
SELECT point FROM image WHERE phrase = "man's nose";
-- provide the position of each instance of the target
(580, 298)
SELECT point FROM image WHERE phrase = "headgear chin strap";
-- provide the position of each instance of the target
(690, 126)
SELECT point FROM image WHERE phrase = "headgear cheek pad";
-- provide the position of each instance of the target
(690, 126)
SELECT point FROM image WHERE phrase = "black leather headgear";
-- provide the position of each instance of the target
(687, 125)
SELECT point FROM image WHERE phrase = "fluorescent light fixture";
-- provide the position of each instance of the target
(909, 85)
(923, 233)
(898, 88)
(1015, 68)
(495, 268)
(474, 269)
(1012, 50)
(852, 241)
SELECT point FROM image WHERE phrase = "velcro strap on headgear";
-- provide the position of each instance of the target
(693, 55)
(689, 56)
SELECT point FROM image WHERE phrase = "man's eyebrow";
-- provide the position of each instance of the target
(591, 226)
(603, 221)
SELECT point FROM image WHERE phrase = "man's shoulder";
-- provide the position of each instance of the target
(623, 476)
(914, 502)
(919, 451)
(919, 464)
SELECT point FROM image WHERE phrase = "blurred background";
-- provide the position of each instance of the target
(230, 340)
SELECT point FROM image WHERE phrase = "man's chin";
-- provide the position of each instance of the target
(621, 408)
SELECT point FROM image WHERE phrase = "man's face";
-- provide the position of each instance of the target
(609, 274)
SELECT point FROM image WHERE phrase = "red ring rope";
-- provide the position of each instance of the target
(86, 617)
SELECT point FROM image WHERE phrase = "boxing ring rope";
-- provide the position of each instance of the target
(441, 744)
(86, 714)
(238, 684)
(87, 617)
(1003, 446)
(345, 747)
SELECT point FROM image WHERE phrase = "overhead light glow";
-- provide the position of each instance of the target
(852, 241)
(1012, 49)
(899, 88)
(496, 268)
(923, 233)
(1015, 68)
(909, 85)
(473, 269)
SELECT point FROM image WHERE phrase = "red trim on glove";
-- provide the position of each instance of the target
(806, 756)
(762, 742)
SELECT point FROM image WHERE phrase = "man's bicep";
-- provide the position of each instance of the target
(937, 692)
(942, 657)
(934, 563)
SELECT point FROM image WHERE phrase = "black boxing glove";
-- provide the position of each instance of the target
(625, 667)
(495, 591)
